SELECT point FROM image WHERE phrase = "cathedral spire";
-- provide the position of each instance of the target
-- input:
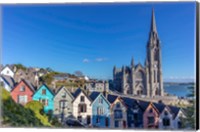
(132, 62)
(153, 22)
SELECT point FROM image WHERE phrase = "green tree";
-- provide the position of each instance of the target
(190, 112)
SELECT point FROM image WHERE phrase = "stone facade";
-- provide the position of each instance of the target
(63, 107)
(143, 80)
(99, 86)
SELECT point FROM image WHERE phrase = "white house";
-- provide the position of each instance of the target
(7, 71)
(7, 82)
(178, 114)
(166, 119)
(82, 109)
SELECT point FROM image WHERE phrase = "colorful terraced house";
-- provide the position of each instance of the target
(100, 110)
(46, 97)
(22, 93)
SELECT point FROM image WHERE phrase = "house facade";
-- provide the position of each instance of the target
(22, 93)
(178, 113)
(82, 109)
(100, 110)
(118, 114)
(46, 97)
(7, 82)
(166, 119)
(151, 117)
(134, 113)
(63, 107)
(7, 71)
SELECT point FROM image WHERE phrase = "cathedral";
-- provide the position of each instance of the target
(143, 80)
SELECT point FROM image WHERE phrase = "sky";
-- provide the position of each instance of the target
(92, 38)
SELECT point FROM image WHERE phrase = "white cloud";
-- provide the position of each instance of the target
(100, 59)
(86, 60)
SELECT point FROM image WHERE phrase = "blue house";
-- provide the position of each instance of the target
(45, 96)
(100, 110)
(134, 113)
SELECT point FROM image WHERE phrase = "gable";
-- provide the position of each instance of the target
(101, 97)
(39, 92)
(163, 114)
(63, 91)
(7, 71)
(154, 110)
(77, 99)
(122, 105)
(22, 84)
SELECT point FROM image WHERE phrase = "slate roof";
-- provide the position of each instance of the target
(30, 84)
(94, 95)
(143, 104)
(77, 92)
(159, 106)
(9, 80)
(174, 110)
(129, 102)
(111, 98)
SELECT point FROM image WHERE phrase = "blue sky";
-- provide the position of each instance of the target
(93, 38)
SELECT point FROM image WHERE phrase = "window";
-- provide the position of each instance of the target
(22, 88)
(100, 110)
(116, 123)
(64, 95)
(151, 110)
(118, 114)
(118, 105)
(166, 113)
(88, 119)
(80, 118)
(151, 120)
(135, 117)
(98, 120)
(43, 91)
(44, 102)
(7, 72)
(107, 122)
(63, 104)
(100, 101)
(22, 99)
(82, 99)
(166, 122)
(82, 108)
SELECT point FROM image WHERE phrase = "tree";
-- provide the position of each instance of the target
(190, 112)
(78, 73)
(15, 114)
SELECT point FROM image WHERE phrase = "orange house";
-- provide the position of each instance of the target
(22, 93)
(151, 117)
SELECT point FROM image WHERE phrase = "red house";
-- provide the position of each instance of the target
(22, 92)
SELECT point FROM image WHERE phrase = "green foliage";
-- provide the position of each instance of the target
(20, 66)
(16, 115)
(30, 115)
(190, 119)
(37, 107)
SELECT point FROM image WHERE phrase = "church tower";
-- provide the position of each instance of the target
(153, 62)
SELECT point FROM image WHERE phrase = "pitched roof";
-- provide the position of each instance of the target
(77, 92)
(174, 110)
(129, 102)
(143, 104)
(9, 80)
(47, 88)
(29, 84)
(94, 95)
(111, 98)
(62, 87)
(159, 106)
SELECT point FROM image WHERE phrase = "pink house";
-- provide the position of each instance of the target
(151, 117)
